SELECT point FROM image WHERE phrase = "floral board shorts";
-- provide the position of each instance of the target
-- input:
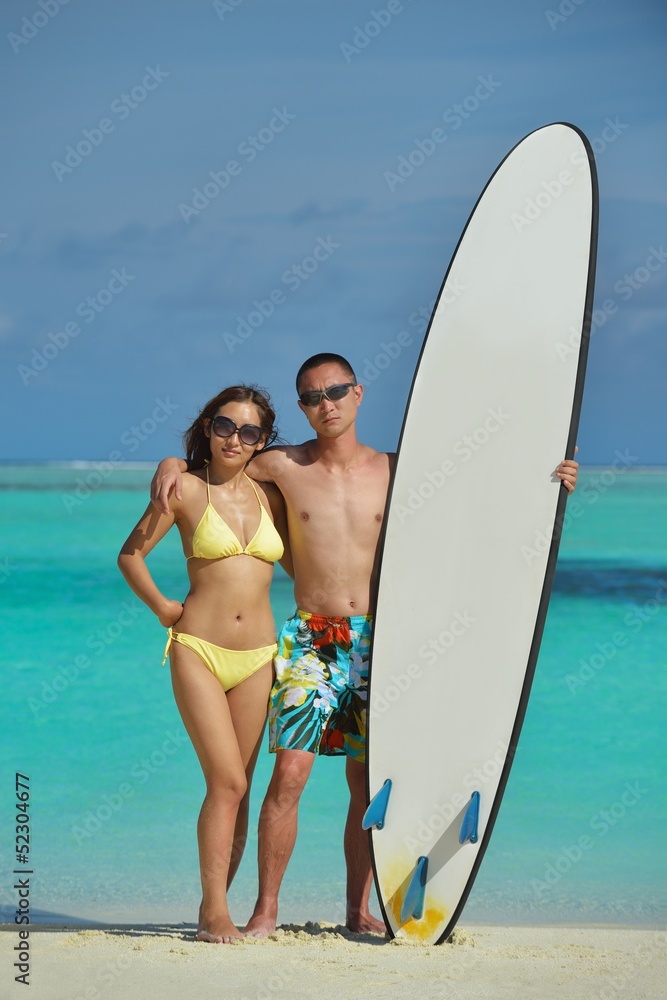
(318, 701)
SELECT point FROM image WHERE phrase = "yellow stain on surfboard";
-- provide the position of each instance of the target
(394, 887)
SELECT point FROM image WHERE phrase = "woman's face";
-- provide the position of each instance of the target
(235, 432)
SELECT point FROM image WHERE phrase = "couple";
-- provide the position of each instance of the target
(328, 497)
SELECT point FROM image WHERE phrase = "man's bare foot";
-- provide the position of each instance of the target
(365, 924)
(260, 925)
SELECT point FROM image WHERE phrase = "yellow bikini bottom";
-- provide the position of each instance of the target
(229, 666)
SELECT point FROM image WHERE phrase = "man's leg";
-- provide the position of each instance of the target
(357, 855)
(277, 834)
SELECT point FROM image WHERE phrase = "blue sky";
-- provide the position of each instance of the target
(126, 300)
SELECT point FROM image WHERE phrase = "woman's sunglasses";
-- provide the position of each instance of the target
(333, 394)
(223, 427)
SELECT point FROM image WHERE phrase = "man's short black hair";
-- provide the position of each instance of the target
(325, 359)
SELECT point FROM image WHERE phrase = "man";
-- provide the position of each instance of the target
(335, 490)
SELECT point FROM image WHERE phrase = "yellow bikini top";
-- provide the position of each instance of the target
(214, 539)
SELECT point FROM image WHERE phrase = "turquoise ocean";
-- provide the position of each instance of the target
(115, 786)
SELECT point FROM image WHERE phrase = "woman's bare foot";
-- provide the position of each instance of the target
(225, 935)
(218, 930)
(203, 935)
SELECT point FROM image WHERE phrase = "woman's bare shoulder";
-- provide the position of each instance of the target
(270, 495)
(193, 487)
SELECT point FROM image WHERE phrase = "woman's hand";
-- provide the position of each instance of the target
(171, 613)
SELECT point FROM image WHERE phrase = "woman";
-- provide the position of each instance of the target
(222, 651)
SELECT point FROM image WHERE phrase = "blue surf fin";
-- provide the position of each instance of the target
(375, 814)
(413, 901)
(468, 831)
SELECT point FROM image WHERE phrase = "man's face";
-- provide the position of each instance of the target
(328, 418)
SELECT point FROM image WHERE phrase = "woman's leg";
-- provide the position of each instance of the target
(248, 705)
(207, 718)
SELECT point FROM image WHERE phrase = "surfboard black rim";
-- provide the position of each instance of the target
(552, 557)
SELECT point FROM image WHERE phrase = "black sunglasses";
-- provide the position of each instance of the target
(333, 394)
(223, 427)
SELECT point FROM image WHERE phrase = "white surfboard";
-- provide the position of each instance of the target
(472, 528)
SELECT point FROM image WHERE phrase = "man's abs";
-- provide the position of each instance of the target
(337, 587)
(334, 547)
(334, 518)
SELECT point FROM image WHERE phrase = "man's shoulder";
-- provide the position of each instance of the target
(284, 454)
(382, 459)
(273, 463)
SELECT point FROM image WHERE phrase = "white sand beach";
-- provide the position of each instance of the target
(314, 961)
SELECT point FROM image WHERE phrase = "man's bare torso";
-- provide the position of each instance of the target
(334, 515)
